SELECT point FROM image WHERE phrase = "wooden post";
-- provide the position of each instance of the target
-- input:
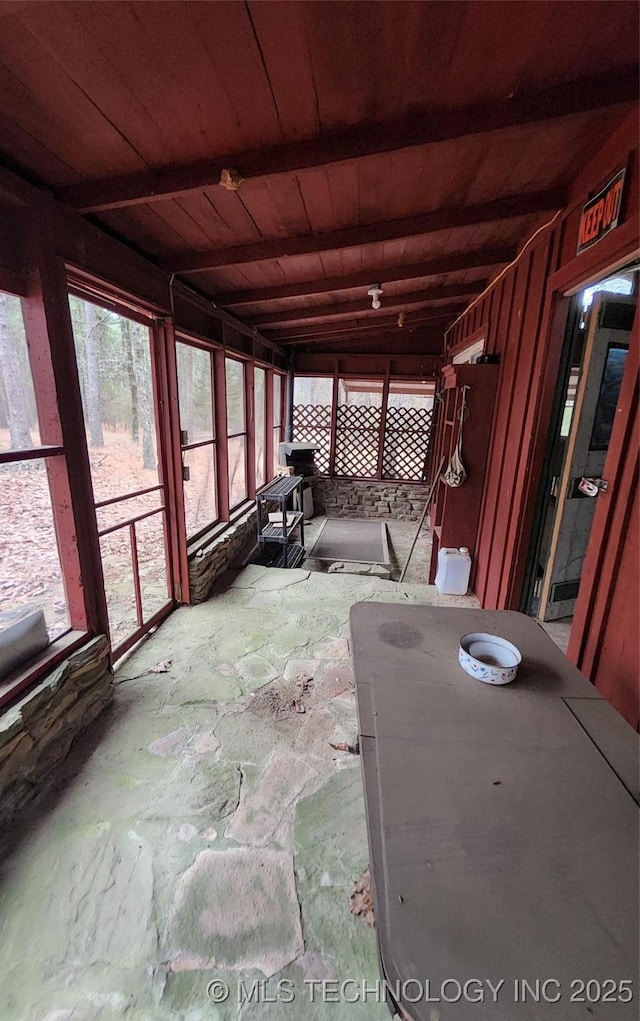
(220, 405)
(53, 360)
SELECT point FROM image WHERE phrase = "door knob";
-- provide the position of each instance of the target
(591, 487)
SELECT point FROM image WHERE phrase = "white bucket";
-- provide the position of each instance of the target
(454, 568)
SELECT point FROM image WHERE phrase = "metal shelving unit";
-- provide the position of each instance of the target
(281, 492)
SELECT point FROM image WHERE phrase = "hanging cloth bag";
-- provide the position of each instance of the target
(456, 474)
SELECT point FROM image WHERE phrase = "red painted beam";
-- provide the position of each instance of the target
(424, 126)
(373, 233)
(426, 299)
(456, 263)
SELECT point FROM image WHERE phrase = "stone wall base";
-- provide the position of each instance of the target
(403, 501)
(38, 731)
(222, 553)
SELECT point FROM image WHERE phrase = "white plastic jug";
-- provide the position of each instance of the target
(454, 568)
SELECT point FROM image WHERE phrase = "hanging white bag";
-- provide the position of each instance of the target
(456, 474)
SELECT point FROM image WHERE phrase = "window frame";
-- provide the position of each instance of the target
(186, 339)
(246, 390)
(47, 364)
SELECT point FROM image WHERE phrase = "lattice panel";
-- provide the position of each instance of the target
(357, 439)
(312, 424)
(406, 443)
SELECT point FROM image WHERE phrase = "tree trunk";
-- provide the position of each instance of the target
(142, 363)
(92, 354)
(13, 383)
(125, 325)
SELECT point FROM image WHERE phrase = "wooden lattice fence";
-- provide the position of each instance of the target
(357, 441)
(406, 443)
(312, 424)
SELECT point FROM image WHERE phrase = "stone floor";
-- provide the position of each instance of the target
(205, 831)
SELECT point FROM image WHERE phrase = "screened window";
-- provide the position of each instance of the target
(277, 417)
(312, 404)
(260, 409)
(407, 431)
(236, 431)
(197, 436)
(358, 426)
(32, 474)
(115, 361)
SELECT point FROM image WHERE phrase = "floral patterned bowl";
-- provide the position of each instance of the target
(489, 658)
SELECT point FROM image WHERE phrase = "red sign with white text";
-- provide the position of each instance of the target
(601, 213)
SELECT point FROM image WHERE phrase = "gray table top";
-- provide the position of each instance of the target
(502, 824)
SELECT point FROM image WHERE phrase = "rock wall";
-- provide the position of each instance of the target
(403, 501)
(217, 556)
(38, 731)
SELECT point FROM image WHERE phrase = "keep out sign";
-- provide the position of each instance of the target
(601, 213)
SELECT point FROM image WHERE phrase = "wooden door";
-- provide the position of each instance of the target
(606, 351)
(604, 637)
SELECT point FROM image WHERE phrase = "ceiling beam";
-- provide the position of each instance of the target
(302, 334)
(422, 126)
(353, 237)
(427, 298)
(483, 258)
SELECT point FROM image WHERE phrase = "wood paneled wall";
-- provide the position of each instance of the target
(523, 317)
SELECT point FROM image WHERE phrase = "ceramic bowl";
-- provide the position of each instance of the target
(489, 658)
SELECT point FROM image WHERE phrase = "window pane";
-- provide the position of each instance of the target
(122, 511)
(277, 399)
(259, 409)
(151, 563)
(408, 431)
(312, 403)
(194, 389)
(236, 452)
(30, 570)
(200, 504)
(18, 414)
(117, 566)
(234, 372)
(114, 365)
(276, 446)
(358, 423)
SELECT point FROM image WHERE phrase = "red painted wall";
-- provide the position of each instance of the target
(523, 316)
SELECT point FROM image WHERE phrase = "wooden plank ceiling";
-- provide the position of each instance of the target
(408, 144)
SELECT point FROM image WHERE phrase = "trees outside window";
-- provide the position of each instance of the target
(30, 562)
(236, 431)
(277, 417)
(114, 354)
(198, 440)
(260, 422)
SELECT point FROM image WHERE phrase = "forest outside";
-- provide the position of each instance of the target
(30, 571)
(115, 370)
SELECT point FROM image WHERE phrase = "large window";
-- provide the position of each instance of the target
(32, 473)
(236, 431)
(382, 429)
(197, 436)
(358, 425)
(278, 392)
(259, 417)
(118, 387)
(407, 431)
(312, 404)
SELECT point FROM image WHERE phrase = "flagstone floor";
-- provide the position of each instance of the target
(206, 831)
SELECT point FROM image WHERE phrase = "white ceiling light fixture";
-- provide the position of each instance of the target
(374, 293)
